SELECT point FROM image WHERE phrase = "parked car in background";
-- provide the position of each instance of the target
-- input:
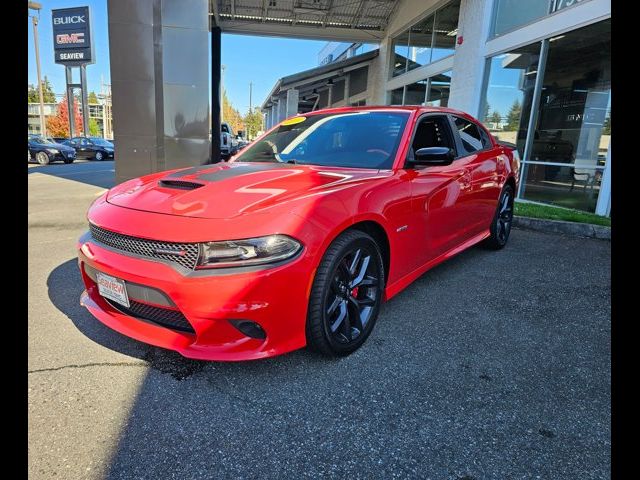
(300, 238)
(228, 141)
(57, 139)
(45, 151)
(92, 148)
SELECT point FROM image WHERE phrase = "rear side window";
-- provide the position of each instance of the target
(471, 135)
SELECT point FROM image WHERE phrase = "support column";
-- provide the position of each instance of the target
(282, 109)
(379, 74)
(292, 102)
(469, 60)
(70, 102)
(216, 65)
(159, 59)
(85, 102)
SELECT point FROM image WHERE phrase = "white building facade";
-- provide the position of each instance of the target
(536, 72)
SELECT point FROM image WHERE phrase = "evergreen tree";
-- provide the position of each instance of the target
(513, 117)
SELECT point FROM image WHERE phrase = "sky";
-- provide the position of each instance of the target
(261, 60)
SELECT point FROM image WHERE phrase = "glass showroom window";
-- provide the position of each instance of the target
(439, 87)
(427, 41)
(573, 124)
(415, 93)
(445, 32)
(396, 96)
(420, 39)
(509, 93)
(511, 14)
(401, 52)
(433, 91)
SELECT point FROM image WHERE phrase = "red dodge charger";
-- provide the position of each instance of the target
(298, 240)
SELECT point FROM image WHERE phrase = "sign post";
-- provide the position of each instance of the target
(73, 47)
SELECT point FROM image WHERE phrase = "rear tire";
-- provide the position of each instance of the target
(502, 220)
(346, 295)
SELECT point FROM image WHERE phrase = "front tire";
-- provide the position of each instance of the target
(502, 220)
(99, 156)
(346, 295)
(42, 158)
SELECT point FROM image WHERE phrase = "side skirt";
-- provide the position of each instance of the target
(402, 283)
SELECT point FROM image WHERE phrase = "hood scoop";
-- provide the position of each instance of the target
(180, 184)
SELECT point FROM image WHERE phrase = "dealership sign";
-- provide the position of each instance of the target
(72, 42)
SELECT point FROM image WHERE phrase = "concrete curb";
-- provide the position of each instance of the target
(567, 228)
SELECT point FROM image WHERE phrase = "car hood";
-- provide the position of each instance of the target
(59, 146)
(227, 190)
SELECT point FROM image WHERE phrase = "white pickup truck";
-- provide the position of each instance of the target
(228, 141)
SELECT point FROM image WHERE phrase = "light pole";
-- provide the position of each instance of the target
(36, 6)
(250, 107)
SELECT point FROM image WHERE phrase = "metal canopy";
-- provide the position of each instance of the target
(342, 20)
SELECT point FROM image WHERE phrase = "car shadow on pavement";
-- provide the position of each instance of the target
(98, 174)
(64, 288)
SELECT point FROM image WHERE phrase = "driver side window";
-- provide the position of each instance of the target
(432, 131)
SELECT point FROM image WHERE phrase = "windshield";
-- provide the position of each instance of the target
(40, 140)
(353, 139)
(102, 142)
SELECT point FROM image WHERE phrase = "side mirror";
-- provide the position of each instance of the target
(432, 156)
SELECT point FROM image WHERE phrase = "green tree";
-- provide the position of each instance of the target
(253, 122)
(495, 117)
(92, 98)
(230, 114)
(485, 112)
(513, 117)
(47, 92)
(94, 128)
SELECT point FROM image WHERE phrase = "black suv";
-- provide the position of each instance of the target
(45, 151)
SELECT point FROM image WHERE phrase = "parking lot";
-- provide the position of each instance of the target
(494, 365)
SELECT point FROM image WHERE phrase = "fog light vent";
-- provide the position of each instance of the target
(249, 328)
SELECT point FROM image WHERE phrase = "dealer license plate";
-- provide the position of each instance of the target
(113, 289)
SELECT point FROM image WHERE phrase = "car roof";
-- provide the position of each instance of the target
(387, 108)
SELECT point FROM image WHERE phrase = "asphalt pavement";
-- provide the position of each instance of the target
(494, 365)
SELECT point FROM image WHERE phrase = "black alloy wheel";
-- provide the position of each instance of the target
(346, 295)
(503, 219)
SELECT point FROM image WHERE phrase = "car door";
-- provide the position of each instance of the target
(439, 193)
(83, 148)
(484, 165)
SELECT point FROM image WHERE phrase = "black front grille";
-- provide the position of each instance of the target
(148, 248)
(165, 317)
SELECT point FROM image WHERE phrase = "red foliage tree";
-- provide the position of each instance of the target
(58, 125)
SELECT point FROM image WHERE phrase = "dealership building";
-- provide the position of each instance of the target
(536, 72)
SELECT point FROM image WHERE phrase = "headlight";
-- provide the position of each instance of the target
(52, 150)
(252, 251)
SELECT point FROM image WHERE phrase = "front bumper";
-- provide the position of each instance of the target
(61, 156)
(276, 298)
